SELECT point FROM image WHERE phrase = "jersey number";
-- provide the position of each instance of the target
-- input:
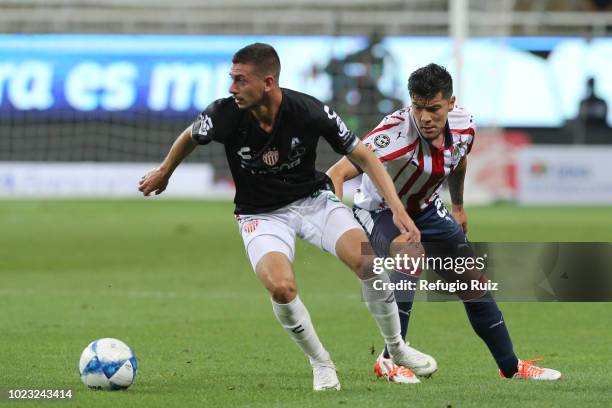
(442, 211)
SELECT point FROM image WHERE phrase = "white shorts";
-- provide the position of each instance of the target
(309, 218)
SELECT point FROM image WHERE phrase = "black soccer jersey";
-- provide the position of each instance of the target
(271, 170)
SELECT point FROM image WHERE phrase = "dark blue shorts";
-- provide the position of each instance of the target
(441, 237)
(436, 224)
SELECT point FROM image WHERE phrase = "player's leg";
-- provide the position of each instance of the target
(270, 247)
(446, 238)
(387, 241)
(330, 225)
(483, 313)
(403, 361)
(443, 238)
(489, 324)
(275, 272)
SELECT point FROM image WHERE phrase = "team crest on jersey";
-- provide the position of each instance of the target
(382, 141)
(250, 226)
(270, 157)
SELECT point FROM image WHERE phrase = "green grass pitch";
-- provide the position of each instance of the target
(170, 278)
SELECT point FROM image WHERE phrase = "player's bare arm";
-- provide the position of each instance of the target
(370, 164)
(156, 180)
(340, 172)
(455, 188)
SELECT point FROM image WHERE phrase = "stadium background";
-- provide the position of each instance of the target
(81, 257)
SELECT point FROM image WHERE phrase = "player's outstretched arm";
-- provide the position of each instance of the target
(340, 172)
(370, 164)
(156, 180)
(455, 188)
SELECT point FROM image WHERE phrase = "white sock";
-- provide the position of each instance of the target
(382, 306)
(294, 317)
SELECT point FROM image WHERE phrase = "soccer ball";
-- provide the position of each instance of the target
(108, 364)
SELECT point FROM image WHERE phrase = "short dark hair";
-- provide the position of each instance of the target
(262, 56)
(427, 81)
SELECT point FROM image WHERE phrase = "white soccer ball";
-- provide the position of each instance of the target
(108, 364)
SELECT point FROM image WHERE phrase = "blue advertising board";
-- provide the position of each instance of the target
(505, 83)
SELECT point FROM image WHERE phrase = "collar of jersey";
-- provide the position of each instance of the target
(281, 108)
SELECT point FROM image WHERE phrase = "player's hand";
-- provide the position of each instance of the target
(155, 181)
(459, 215)
(404, 223)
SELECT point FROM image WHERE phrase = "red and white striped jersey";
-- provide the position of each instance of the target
(416, 166)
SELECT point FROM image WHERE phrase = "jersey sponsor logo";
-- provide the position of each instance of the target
(205, 125)
(330, 113)
(382, 141)
(294, 142)
(245, 153)
(297, 150)
(270, 170)
(343, 131)
(270, 157)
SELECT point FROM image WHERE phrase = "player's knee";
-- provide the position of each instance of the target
(409, 255)
(283, 291)
(362, 265)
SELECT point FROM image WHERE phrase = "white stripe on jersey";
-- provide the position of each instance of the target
(417, 168)
(425, 164)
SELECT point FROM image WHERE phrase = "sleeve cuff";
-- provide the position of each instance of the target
(352, 146)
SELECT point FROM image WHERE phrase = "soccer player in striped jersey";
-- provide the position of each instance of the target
(421, 146)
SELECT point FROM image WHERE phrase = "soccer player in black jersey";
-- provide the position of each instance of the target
(270, 136)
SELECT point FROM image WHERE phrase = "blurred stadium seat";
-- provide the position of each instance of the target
(331, 17)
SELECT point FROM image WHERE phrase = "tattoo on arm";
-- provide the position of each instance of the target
(455, 182)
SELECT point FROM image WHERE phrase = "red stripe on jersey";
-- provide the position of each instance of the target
(399, 153)
(383, 127)
(406, 187)
(397, 117)
(468, 131)
(429, 200)
(436, 177)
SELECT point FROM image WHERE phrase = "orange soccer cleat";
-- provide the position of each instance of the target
(386, 368)
(527, 371)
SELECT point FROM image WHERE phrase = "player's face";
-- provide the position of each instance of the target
(431, 115)
(247, 87)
